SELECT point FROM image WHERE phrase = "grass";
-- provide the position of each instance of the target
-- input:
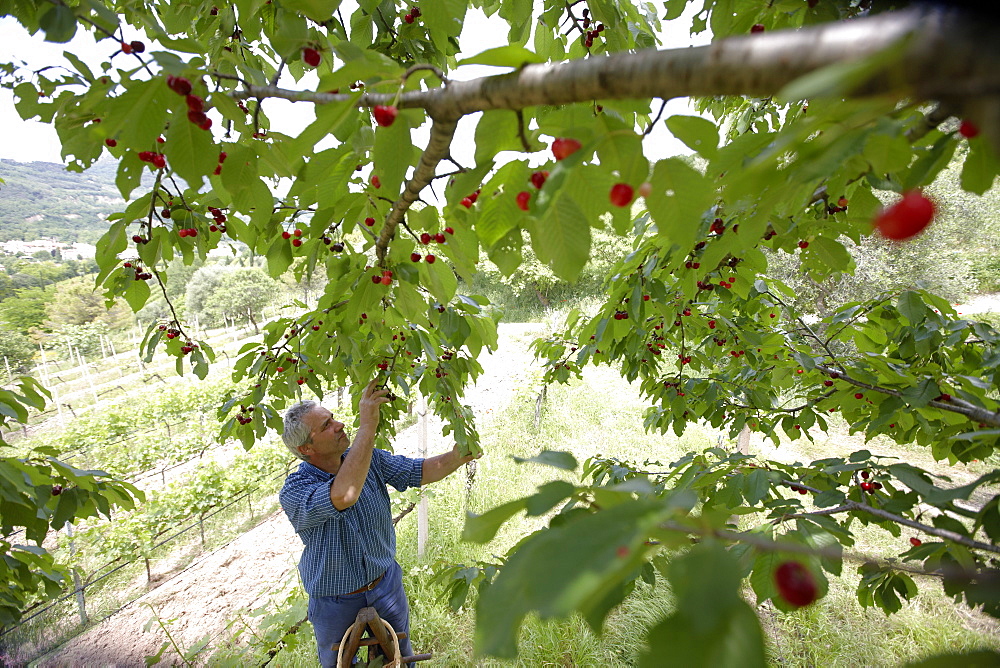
(603, 414)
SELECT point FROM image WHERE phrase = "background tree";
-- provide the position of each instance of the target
(241, 293)
(25, 312)
(17, 348)
(818, 107)
(75, 302)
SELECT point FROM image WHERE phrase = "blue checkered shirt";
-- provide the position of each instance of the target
(346, 549)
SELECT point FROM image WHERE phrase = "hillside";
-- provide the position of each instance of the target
(42, 199)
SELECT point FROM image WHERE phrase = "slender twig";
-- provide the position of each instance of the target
(849, 505)
(416, 68)
(652, 124)
(955, 405)
(520, 131)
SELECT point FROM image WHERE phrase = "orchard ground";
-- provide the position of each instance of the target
(602, 414)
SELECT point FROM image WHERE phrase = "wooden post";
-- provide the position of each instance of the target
(743, 443)
(81, 603)
(423, 521)
(86, 373)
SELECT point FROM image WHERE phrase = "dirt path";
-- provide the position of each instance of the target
(248, 572)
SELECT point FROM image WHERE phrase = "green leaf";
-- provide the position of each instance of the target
(736, 640)
(757, 486)
(680, 196)
(394, 151)
(887, 154)
(596, 551)
(912, 307)
(439, 279)
(699, 134)
(140, 113)
(59, 24)
(560, 460)
(982, 658)
(980, 168)
(191, 151)
(495, 132)
(562, 238)
(317, 10)
(483, 528)
(920, 394)
(503, 56)
(832, 253)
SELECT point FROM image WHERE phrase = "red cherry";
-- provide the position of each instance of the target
(137, 46)
(369, 221)
(522, 200)
(297, 233)
(408, 18)
(111, 142)
(756, 28)
(415, 257)
(439, 238)
(286, 234)
(466, 202)
(564, 147)
(538, 178)
(621, 194)
(449, 230)
(867, 486)
(386, 280)
(858, 395)
(376, 182)
(915, 542)
(430, 259)
(197, 117)
(968, 129)
(803, 245)
(385, 115)
(906, 218)
(425, 238)
(296, 242)
(842, 202)
(280, 369)
(195, 103)
(376, 279)
(126, 48)
(865, 474)
(795, 584)
(56, 490)
(179, 85)
(311, 56)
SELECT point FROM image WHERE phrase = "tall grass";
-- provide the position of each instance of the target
(603, 414)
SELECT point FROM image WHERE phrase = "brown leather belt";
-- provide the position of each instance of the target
(368, 587)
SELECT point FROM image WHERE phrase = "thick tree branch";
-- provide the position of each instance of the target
(947, 56)
(442, 132)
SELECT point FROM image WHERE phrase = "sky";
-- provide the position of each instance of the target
(27, 141)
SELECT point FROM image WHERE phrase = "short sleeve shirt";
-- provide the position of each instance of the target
(346, 549)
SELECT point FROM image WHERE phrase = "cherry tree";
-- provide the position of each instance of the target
(808, 107)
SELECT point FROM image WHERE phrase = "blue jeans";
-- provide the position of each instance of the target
(332, 615)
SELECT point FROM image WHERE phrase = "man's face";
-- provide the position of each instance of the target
(326, 435)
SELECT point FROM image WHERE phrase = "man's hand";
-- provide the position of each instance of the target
(465, 459)
(371, 400)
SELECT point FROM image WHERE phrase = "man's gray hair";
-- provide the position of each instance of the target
(296, 432)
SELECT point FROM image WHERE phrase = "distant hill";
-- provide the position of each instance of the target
(42, 199)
